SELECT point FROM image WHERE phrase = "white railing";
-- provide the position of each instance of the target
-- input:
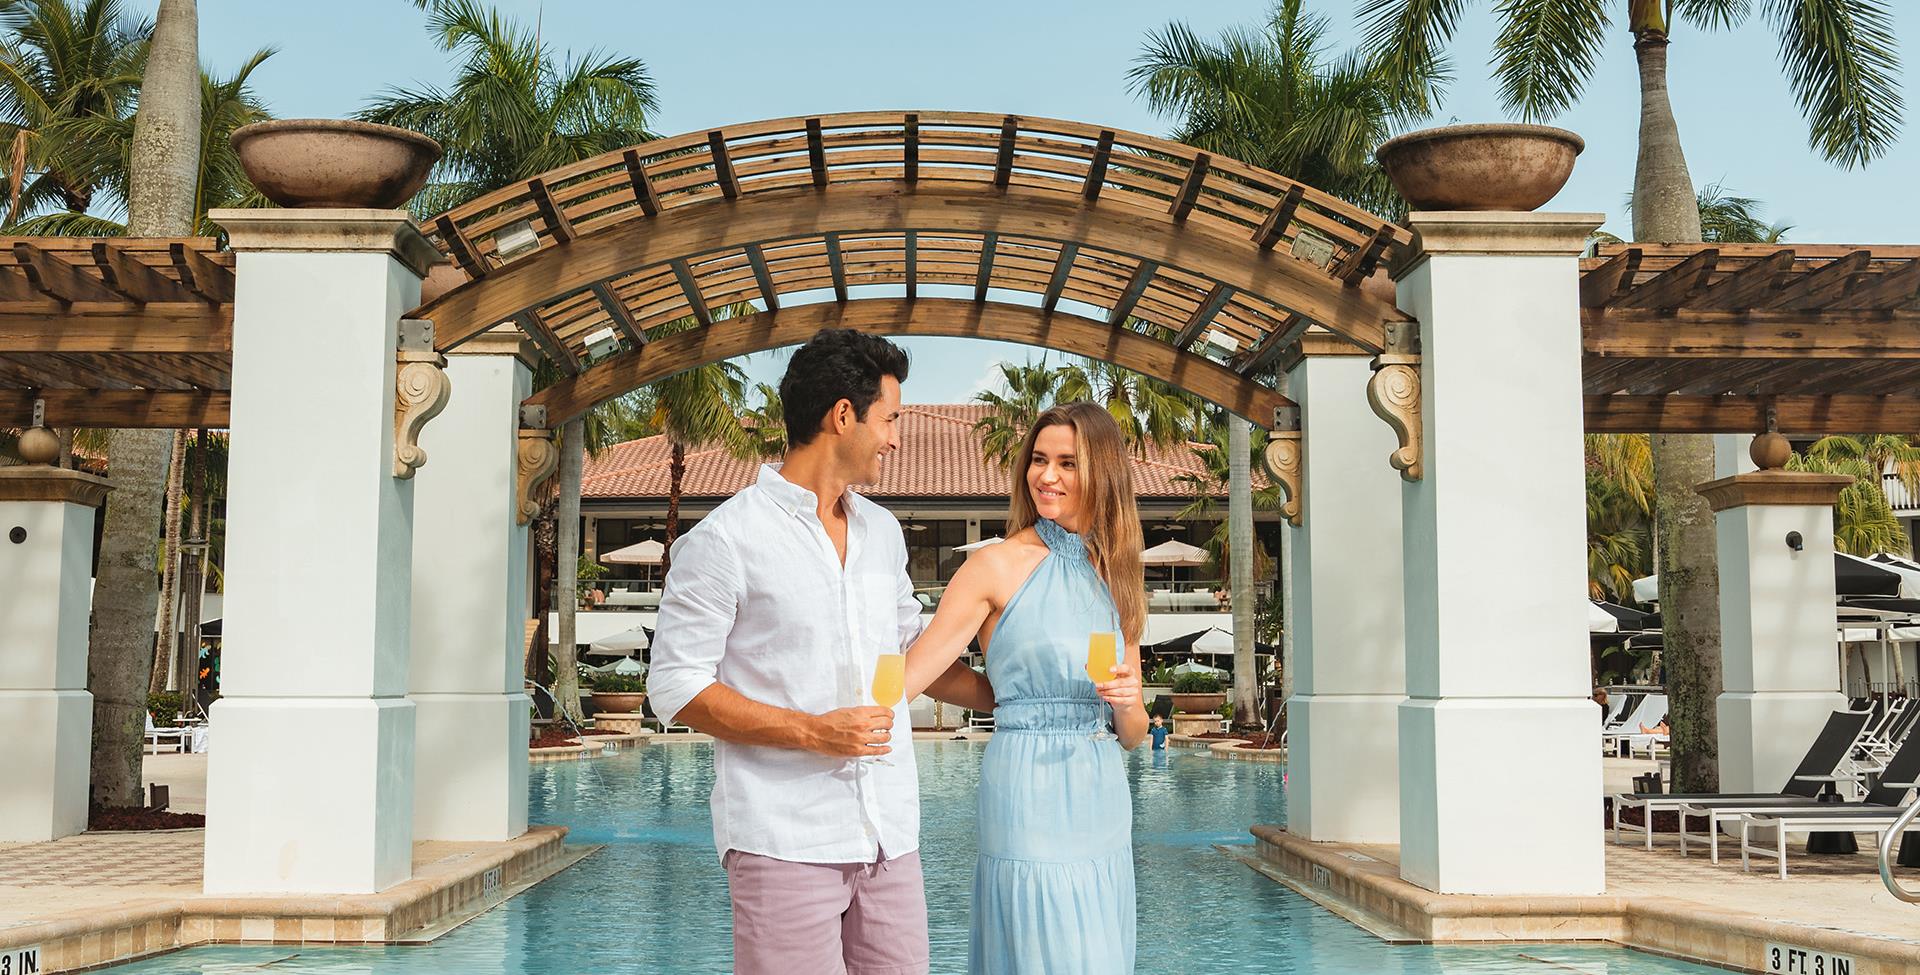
(1898, 495)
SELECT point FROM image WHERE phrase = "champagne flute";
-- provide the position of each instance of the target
(1103, 655)
(889, 685)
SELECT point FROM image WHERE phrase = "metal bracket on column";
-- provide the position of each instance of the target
(1283, 460)
(421, 389)
(1394, 394)
(538, 459)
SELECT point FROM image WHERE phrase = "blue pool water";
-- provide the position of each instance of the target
(654, 900)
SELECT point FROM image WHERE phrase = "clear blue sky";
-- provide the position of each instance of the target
(739, 60)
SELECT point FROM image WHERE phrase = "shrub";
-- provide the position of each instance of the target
(1162, 674)
(620, 683)
(164, 707)
(1196, 684)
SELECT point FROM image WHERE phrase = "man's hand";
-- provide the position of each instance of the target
(852, 732)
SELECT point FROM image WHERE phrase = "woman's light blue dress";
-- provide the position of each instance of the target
(1053, 889)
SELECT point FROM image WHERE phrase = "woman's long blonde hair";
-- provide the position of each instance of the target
(1111, 515)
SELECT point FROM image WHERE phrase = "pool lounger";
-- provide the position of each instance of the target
(1859, 817)
(1829, 748)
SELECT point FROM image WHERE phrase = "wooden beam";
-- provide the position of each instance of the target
(816, 152)
(1809, 415)
(56, 278)
(1003, 159)
(211, 281)
(1097, 166)
(1687, 333)
(458, 247)
(911, 270)
(910, 148)
(1750, 286)
(185, 327)
(722, 165)
(618, 313)
(1600, 285)
(1062, 270)
(643, 191)
(1361, 261)
(951, 317)
(1189, 191)
(1813, 288)
(124, 408)
(1275, 342)
(1203, 316)
(1270, 230)
(1892, 289)
(837, 266)
(558, 226)
(1136, 286)
(127, 276)
(769, 295)
(532, 323)
(690, 289)
(988, 244)
(1671, 288)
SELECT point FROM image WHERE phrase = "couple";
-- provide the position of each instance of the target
(776, 611)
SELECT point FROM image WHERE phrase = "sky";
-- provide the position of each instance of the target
(740, 60)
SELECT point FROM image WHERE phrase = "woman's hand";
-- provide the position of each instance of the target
(1123, 691)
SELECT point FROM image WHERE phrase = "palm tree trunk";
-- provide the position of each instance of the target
(1666, 210)
(193, 579)
(676, 475)
(164, 666)
(164, 167)
(1240, 567)
(566, 565)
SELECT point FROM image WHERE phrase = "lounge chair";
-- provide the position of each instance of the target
(157, 736)
(1619, 740)
(1876, 814)
(1628, 704)
(1828, 750)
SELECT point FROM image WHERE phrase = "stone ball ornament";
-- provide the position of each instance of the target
(1502, 166)
(1770, 451)
(335, 162)
(39, 445)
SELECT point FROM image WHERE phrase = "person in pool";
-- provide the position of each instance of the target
(1053, 887)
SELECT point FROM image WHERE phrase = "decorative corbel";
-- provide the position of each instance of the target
(538, 459)
(1394, 394)
(1283, 459)
(421, 389)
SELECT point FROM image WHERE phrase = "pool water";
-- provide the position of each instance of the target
(654, 900)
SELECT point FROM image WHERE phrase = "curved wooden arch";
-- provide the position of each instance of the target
(1116, 225)
(953, 318)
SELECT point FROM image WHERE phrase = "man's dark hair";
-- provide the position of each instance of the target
(836, 364)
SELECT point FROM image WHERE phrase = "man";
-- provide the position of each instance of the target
(773, 615)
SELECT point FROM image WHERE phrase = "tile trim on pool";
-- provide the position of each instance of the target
(1661, 925)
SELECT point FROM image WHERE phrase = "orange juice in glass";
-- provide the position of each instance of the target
(1103, 654)
(889, 685)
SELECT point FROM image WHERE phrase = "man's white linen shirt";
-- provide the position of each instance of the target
(757, 599)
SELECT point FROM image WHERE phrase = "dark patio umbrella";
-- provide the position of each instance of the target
(1859, 577)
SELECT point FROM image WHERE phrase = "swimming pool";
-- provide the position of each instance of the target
(654, 902)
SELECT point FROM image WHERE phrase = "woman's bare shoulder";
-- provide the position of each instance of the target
(1024, 546)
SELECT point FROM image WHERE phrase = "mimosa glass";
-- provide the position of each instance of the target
(1103, 655)
(889, 684)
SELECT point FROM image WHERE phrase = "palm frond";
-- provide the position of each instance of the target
(1842, 63)
(1546, 51)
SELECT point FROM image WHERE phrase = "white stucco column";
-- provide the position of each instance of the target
(470, 603)
(46, 714)
(1778, 670)
(1349, 650)
(1499, 766)
(310, 780)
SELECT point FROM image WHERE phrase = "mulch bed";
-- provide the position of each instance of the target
(1664, 821)
(102, 819)
(553, 739)
(598, 733)
(1256, 740)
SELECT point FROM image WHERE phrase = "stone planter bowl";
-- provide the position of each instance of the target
(1504, 166)
(618, 702)
(1198, 703)
(335, 162)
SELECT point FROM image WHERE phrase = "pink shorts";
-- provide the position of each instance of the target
(827, 918)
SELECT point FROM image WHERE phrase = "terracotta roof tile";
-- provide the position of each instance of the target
(939, 456)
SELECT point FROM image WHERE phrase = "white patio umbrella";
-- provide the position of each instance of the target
(1646, 589)
(1216, 642)
(628, 665)
(976, 546)
(647, 552)
(1174, 552)
(1197, 668)
(621, 643)
(1599, 620)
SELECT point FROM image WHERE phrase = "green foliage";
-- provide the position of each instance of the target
(1863, 520)
(164, 707)
(590, 569)
(1210, 449)
(1196, 683)
(1162, 674)
(619, 683)
(1147, 410)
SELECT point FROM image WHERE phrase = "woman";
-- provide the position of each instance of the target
(1053, 888)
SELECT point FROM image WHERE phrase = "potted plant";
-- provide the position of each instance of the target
(619, 693)
(1197, 693)
(1159, 682)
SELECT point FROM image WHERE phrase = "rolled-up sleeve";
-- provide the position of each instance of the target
(697, 611)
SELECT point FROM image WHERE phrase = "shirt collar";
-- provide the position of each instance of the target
(796, 500)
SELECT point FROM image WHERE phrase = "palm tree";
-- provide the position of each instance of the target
(694, 408)
(1148, 410)
(1840, 60)
(1863, 519)
(1030, 388)
(164, 165)
(1725, 219)
(60, 64)
(1273, 97)
(513, 111)
(766, 424)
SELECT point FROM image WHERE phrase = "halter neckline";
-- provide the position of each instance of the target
(1061, 541)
